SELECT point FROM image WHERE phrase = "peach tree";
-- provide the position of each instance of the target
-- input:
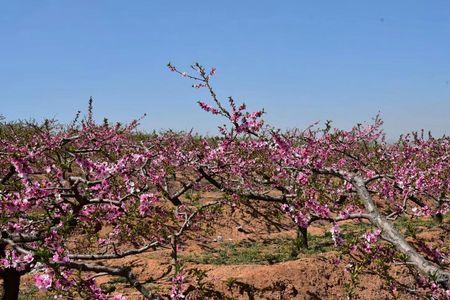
(74, 196)
(327, 174)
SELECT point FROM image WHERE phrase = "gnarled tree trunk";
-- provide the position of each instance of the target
(11, 284)
(11, 279)
(391, 234)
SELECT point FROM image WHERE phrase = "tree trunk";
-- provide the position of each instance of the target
(302, 235)
(174, 253)
(300, 242)
(439, 218)
(11, 284)
(11, 279)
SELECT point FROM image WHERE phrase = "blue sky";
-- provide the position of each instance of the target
(303, 61)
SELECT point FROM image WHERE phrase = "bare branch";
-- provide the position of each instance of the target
(115, 255)
(115, 271)
(249, 195)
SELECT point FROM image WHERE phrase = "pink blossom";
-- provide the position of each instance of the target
(336, 235)
(146, 203)
(43, 281)
(176, 292)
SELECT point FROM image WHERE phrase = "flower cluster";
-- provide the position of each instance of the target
(176, 292)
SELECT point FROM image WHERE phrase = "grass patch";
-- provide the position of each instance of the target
(32, 293)
(282, 249)
(268, 251)
(405, 222)
(244, 252)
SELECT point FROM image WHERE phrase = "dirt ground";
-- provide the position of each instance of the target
(245, 258)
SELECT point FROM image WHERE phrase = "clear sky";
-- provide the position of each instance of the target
(303, 61)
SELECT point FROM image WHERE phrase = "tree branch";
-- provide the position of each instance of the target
(250, 195)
